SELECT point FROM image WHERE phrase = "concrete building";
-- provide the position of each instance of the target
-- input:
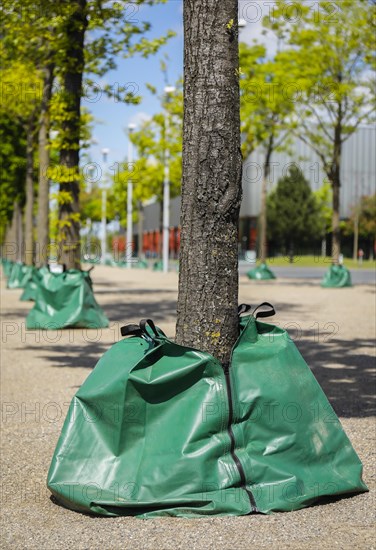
(358, 176)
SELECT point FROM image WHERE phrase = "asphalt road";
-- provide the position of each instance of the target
(358, 276)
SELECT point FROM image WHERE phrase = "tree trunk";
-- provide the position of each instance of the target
(140, 228)
(44, 161)
(336, 241)
(28, 255)
(69, 225)
(262, 222)
(356, 233)
(335, 179)
(211, 191)
(13, 238)
(263, 240)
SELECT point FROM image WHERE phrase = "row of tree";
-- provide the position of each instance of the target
(48, 49)
(318, 86)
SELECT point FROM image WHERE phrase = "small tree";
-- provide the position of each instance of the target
(13, 175)
(267, 104)
(324, 202)
(332, 62)
(293, 212)
(21, 100)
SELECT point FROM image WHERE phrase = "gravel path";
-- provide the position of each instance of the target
(40, 372)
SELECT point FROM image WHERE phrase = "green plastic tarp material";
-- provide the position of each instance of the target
(65, 300)
(158, 265)
(159, 429)
(7, 266)
(261, 272)
(337, 276)
(140, 264)
(20, 275)
(30, 290)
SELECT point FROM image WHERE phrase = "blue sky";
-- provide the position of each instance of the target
(111, 117)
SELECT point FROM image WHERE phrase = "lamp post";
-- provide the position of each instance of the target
(104, 152)
(128, 247)
(166, 189)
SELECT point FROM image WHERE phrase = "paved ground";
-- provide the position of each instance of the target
(334, 330)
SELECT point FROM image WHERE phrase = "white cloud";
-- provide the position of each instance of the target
(139, 118)
(253, 14)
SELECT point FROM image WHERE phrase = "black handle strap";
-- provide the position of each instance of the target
(268, 313)
(148, 322)
(243, 308)
(131, 330)
(142, 330)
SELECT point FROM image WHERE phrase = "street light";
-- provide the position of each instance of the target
(128, 248)
(104, 152)
(166, 189)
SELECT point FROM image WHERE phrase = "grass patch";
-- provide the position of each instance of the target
(318, 261)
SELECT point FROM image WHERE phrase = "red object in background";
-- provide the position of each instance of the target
(152, 241)
(178, 239)
(252, 238)
(118, 244)
(146, 242)
(172, 240)
(157, 242)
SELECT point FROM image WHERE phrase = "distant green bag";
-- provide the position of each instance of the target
(65, 300)
(261, 272)
(19, 275)
(7, 266)
(158, 429)
(337, 276)
(30, 290)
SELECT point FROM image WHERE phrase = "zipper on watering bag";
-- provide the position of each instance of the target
(243, 482)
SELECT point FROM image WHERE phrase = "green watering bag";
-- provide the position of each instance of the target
(158, 429)
(7, 266)
(30, 290)
(261, 273)
(19, 275)
(337, 276)
(65, 300)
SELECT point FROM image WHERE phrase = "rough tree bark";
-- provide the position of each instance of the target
(44, 161)
(69, 226)
(211, 192)
(28, 253)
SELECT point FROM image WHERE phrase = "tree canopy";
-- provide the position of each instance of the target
(329, 53)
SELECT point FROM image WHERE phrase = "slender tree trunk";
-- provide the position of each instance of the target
(211, 191)
(263, 240)
(28, 255)
(13, 237)
(44, 161)
(262, 222)
(140, 228)
(19, 232)
(356, 233)
(335, 179)
(69, 225)
(336, 241)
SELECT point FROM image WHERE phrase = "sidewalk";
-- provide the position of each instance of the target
(40, 372)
